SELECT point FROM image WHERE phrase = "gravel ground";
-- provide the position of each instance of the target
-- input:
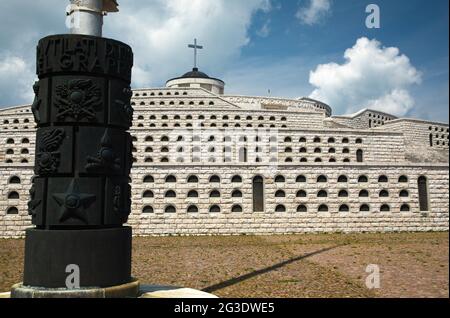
(411, 264)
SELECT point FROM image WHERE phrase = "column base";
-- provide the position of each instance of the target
(130, 290)
(102, 257)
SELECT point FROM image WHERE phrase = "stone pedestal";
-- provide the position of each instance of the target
(129, 290)
(103, 257)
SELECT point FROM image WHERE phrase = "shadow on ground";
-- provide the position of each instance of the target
(240, 279)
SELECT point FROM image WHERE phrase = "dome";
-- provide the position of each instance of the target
(197, 79)
(195, 73)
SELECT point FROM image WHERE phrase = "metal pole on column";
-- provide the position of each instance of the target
(80, 197)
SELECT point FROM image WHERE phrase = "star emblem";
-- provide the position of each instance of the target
(73, 203)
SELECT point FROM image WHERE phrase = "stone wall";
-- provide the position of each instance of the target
(14, 225)
(365, 119)
(17, 147)
(418, 132)
(205, 222)
(424, 141)
(282, 192)
(158, 117)
(284, 145)
(13, 120)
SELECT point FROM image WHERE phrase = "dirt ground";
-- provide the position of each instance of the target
(411, 265)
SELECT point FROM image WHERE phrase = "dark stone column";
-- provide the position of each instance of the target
(80, 196)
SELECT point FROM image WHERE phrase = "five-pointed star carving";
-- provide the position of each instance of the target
(73, 203)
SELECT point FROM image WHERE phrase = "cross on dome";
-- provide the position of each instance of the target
(196, 47)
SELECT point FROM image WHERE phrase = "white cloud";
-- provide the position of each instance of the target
(373, 76)
(158, 31)
(159, 34)
(397, 102)
(24, 22)
(314, 12)
(16, 79)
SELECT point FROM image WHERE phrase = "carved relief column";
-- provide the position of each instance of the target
(80, 196)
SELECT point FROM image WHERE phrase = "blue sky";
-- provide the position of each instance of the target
(316, 48)
(420, 29)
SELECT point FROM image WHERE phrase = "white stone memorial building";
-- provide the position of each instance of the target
(208, 163)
